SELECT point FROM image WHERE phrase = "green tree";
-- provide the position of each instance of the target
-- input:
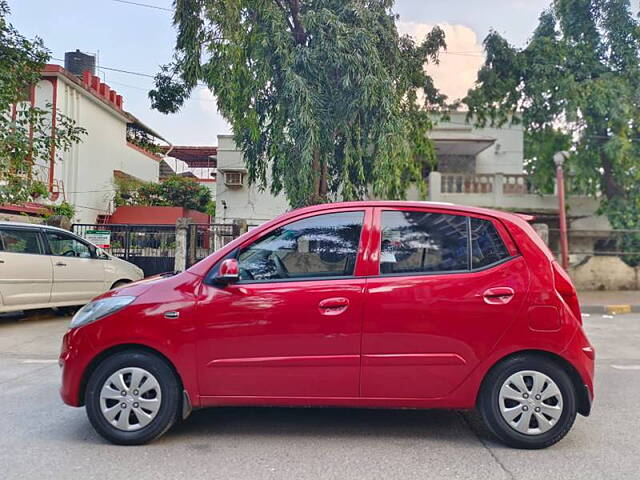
(26, 134)
(324, 97)
(577, 85)
(175, 191)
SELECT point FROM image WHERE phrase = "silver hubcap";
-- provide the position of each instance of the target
(530, 402)
(130, 399)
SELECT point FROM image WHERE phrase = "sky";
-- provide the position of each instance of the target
(139, 39)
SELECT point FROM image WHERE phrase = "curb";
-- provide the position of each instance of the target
(610, 309)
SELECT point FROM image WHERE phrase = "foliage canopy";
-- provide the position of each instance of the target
(324, 97)
(175, 191)
(577, 84)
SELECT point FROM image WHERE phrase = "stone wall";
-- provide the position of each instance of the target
(605, 273)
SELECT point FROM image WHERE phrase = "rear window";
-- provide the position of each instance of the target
(486, 245)
(20, 241)
(423, 242)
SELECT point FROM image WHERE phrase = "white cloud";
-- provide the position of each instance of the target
(458, 69)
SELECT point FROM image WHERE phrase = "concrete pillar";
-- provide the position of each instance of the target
(498, 190)
(435, 186)
(182, 244)
(542, 229)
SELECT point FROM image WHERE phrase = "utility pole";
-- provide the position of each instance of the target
(559, 159)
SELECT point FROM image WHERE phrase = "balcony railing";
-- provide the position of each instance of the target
(484, 183)
(502, 191)
(464, 183)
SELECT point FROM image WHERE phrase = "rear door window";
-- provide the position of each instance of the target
(18, 240)
(487, 246)
(423, 242)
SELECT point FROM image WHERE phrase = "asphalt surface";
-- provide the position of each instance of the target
(42, 438)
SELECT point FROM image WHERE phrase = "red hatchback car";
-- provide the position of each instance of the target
(366, 304)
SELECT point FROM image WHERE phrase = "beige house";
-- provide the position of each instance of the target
(476, 166)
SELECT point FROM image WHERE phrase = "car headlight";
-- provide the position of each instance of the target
(99, 309)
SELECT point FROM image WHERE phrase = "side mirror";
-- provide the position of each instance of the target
(228, 273)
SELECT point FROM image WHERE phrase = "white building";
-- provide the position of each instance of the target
(85, 175)
(235, 198)
(466, 156)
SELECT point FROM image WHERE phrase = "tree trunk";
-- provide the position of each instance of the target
(324, 180)
(610, 188)
(320, 181)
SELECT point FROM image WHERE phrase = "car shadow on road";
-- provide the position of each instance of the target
(437, 425)
(31, 316)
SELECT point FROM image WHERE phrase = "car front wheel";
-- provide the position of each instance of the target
(528, 402)
(132, 397)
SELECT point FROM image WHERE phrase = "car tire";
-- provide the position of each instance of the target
(528, 402)
(68, 311)
(143, 387)
(119, 283)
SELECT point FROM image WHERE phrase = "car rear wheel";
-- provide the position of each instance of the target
(528, 402)
(132, 398)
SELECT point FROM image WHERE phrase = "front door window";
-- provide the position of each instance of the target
(317, 247)
(67, 246)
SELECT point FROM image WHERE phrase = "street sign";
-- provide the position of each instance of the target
(100, 238)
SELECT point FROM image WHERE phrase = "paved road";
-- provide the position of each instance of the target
(42, 438)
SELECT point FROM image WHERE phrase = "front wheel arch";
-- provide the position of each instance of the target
(582, 394)
(120, 283)
(129, 347)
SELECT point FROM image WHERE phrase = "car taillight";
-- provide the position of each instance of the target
(565, 288)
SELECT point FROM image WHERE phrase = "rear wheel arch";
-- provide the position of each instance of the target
(582, 394)
(129, 347)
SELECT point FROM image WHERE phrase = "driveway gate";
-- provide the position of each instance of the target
(150, 247)
(206, 238)
(153, 247)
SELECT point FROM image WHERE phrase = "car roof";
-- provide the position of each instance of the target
(33, 225)
(409, 204)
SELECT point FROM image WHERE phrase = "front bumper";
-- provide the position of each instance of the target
(73, 360)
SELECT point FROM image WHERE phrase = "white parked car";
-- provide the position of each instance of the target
(44, 267)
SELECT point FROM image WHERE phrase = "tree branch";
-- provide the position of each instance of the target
(299, 33)
(286, 14)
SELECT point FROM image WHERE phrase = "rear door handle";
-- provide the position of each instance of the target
(498, 295)
(333, 306)
(61, 264)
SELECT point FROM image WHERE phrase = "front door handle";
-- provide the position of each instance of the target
(498, 295)
(333, 306)
(61, 264)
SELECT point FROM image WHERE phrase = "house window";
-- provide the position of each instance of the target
(233, 179)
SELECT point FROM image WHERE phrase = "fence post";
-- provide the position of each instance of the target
(240, 226)
(182, 244)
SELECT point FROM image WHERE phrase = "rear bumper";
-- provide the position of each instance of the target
(581, 355)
